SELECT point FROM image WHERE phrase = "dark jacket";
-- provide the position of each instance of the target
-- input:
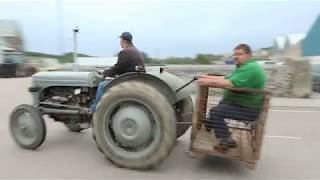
(128, 59)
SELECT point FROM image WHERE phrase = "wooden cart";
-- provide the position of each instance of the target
(248, 135)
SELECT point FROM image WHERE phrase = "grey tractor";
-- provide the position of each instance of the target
(136, 123)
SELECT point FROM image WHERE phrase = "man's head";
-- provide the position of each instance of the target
(125, 39)
(241, 53)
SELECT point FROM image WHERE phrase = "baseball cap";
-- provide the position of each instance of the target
(126, 36)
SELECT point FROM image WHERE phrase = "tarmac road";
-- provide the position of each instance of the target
(290, 150)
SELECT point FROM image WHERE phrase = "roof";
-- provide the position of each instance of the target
(311, 43)
(9, 28)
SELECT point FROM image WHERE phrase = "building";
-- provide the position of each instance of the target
(10, 35)
(311, 44)
(278, 45)
(293, 45)
(288, 46)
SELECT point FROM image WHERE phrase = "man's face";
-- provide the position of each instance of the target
(240, 56)
(122, 43)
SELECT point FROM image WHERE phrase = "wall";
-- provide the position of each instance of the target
(290, 80)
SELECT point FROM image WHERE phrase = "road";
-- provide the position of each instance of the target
(290, 150)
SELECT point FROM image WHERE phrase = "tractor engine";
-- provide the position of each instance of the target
(66, 98)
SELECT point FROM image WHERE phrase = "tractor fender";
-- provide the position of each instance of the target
(165, 82)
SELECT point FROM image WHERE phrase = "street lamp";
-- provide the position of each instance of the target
(75, 48)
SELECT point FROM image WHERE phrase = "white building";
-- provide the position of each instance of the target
(293, 45)
(10, 35)
(278, 45)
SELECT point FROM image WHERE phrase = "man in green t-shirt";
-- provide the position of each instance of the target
(236, 105)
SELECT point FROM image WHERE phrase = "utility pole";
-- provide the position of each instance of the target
(60, 25)
(75, 49)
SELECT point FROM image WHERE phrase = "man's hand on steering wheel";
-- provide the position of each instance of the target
(101, 70)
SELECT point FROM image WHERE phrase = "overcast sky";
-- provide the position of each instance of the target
(160, 28)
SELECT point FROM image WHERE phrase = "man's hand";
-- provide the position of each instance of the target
(203, 81)
(100, 71)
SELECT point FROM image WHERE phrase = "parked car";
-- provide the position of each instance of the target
(14, 64)
(271, 62)
(229, 61)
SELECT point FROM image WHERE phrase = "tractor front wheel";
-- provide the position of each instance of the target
(27, 127)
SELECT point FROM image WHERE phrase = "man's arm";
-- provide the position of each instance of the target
(214, 81)
(119, 66)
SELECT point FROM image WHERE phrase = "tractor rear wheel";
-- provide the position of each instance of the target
(134, 125)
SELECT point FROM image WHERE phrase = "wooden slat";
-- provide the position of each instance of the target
(201, 104)
(206, 141)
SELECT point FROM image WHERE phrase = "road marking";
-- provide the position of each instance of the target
(284, 137)
(294, 110)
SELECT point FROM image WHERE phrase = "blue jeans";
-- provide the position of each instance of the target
(99, 94)
(225, 110)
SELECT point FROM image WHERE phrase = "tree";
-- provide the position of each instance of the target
(202, 59)
(147, 59)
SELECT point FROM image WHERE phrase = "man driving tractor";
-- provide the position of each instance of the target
(128, 60)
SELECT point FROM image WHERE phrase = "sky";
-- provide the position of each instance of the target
(181, 28)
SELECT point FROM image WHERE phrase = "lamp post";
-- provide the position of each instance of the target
(75, 49)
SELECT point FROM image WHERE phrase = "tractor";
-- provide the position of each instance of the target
(135, 126)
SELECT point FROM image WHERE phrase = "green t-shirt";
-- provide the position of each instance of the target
(248, 75)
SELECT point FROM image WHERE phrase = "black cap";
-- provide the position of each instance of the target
(126, 36)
